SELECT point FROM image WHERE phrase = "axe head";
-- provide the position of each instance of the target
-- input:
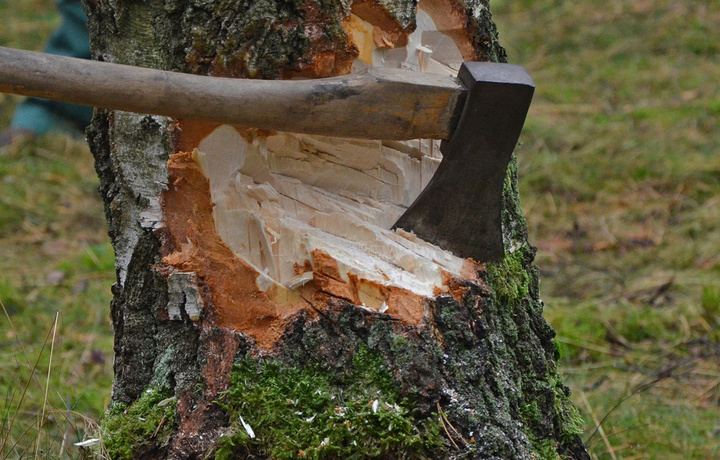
(460, 209)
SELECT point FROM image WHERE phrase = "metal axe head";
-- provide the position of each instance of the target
(460, 209)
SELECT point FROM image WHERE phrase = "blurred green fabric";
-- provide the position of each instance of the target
(69, 39)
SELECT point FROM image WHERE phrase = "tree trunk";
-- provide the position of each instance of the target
(263, 308)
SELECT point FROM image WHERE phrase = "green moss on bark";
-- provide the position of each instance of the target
(280, 411)
(133, 431)
(569, 420)
(509, 278)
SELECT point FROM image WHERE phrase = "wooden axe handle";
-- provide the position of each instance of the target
(372, 104)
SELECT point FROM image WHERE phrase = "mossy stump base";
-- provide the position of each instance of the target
(480, 382)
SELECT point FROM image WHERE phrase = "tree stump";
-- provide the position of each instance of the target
(263, 307)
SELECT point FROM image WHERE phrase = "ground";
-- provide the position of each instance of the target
(619, 183)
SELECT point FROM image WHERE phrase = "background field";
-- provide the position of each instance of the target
(54, 257)
(620, 182)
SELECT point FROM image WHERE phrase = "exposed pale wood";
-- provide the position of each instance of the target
(278, 199)
(372, 104)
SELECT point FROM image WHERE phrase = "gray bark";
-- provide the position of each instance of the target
(485, 359)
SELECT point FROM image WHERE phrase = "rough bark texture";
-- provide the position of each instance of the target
(476, 378)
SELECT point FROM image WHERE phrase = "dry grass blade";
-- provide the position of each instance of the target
(22, 347)
(442, 422)
(619, 432)
(445, 422)
(24, 391)
(599, 428)
(711, 387)
(91, 254)
(91, 427)
(17, 442)
(160, 424)
(47, 384)
(637, 390)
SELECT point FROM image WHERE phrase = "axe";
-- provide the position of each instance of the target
(478, 115)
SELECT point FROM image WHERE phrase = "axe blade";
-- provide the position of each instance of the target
(460, 208)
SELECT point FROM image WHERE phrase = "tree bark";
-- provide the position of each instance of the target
(263, 308)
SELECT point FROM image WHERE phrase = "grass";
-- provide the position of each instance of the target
(55, 259)
(620, 181)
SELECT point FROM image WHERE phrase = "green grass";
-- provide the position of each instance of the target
(620, 178)
(55, 257)
(620, 181)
